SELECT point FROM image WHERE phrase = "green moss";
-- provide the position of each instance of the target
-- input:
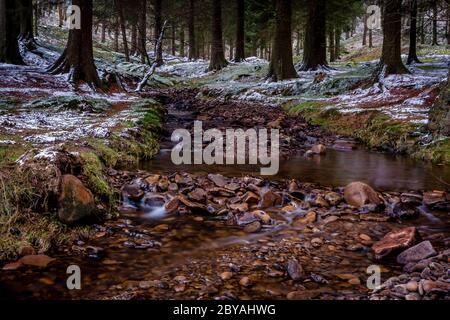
(437, 151)
(375, 129)
(72, 103)
(92, 170)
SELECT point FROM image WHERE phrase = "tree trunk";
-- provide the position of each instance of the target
(193, 52)
(182, 39)
(435, 19)
(422, 28)
(281, 63)
(158, 28)
(370, 39)
(134, 39)
(331, 48)
(36, 19)
(142, 47)
(315, 48)
(174, 34)
(78, 58)
(337, 43)
(364, 43)
(240, 31)
(9, 31)
(26, 22)
(391, 61)
(103, 36)
(116, 35)
(412, 56)
(218, 60)
(123, 30)
(299, 40)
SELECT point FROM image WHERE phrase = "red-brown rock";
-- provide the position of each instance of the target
(394, 241)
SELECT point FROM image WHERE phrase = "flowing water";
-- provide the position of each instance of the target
(147, 247)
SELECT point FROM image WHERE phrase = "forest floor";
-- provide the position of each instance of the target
(184, 234)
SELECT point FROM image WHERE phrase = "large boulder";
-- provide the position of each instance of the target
(359, 194)
(395, 241)
(76, 202)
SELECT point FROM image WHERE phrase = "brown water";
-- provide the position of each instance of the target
(336, 168)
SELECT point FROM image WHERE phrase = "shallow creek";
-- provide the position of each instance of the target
(148, 253)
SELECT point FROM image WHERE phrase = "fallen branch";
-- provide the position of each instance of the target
(155, 64)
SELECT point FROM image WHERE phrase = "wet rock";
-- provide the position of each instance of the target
(404, 210)
(241, 207)
(319, 149)
(412, 286)
(152, 179)
(172, 205)
(227, 275)
(246, 282)
(253, 227)
(318, 279)
(333, 198)
(430, 286)
(173, 187)
(154, 200)
(262, 216)
(359, 194)
(192, 205)
(434, 198)
(36, 260)
(365, 237)
(310, 217)
(232, 186)
(395, 241)
(13, 266)
(344, 145)
(251, 198)
(75, 201)
(316, 242)
(270, 199)
(295, 270)
(163, 184)
(197, 194)
(321, 202)
(218, 180)
(419, 252)
(132, 192)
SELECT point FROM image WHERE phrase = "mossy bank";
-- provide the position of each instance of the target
(30, 180)
(378, 131)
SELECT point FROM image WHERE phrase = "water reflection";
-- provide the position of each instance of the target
(336, 168)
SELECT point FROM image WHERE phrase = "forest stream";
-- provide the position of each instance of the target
(150, 252)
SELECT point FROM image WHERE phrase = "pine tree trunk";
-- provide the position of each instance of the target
(134, 39)
(116, 35)
(370, 39)
(281, 63)
(103, 36)
(435, 32)
(218, 60)
(142, 41)
(26, 23)
(240, 31)
(412, 56)
(331, 48)
(337, 43)
(193, 52)
(182, 39)
(391, 61)
(9, 31)
(364, 43)
(123, 30)
(315, 49)
(78, 58)
(174, 34)
(158, 29)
